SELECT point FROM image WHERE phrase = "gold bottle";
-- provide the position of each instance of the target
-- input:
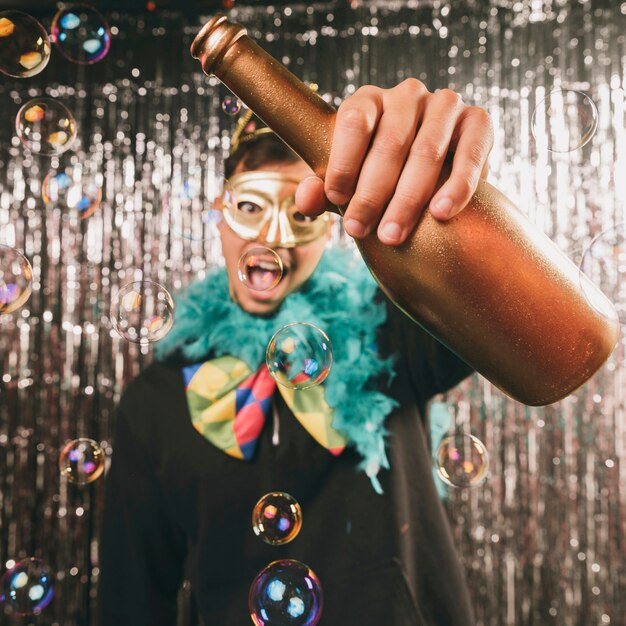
(487, 283)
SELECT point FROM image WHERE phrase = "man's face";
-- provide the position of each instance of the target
(299, 262)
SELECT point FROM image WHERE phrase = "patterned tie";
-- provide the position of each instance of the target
(229, 403)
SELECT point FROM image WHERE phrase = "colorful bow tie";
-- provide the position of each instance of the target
(229, 403)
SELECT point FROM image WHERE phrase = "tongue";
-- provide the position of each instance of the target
(263, 278)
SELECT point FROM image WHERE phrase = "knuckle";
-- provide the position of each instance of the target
(368, 91)
(390, 144)
(339, 170)
(414, 86)
(409, 202)
(448, 97)
(365, 202)
(429, 151)
(480, 116)
(475, 155)
(354, 119)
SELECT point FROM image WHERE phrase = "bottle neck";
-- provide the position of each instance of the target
(301, 118)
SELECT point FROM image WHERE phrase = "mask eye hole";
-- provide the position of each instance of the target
(304, 219)
(249, 208)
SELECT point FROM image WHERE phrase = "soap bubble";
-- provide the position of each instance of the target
(81, 34)
(143, 312)
(286, 592)
(462, 460)
(299, 355)
(193, 201)
(45, 126)
(277, 518)
(24, 45)
(82, 461)
(77, 192)
(231, 105)
(565, 121)
(604, 263)
(27, 588)
(16, 276)
(260, 269)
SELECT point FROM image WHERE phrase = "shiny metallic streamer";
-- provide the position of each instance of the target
(542, 539)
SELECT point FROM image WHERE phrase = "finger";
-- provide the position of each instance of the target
(484, 173)
(472, 151)
(356, 120)
(310, 197)
(383, 164)
(423, 166)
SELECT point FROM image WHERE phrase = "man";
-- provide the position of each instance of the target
(189, 465)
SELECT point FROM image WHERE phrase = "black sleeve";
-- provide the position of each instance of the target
(433, 368)
(142, 550)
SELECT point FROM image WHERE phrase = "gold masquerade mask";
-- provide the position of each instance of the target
(264, 210)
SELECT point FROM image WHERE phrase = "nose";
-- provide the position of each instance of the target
(277, 230)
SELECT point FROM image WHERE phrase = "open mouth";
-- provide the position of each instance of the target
(261, 270)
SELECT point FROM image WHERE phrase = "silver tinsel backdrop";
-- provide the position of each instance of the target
(543, 540)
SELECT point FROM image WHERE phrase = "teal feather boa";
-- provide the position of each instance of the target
(341, 299)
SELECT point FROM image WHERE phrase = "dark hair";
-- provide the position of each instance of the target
(261, 150)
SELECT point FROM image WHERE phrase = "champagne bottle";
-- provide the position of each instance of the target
(487, 283)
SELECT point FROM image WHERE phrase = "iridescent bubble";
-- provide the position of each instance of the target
(16, 275)
(45, 126)
(462, 460)
(277, 518)
(75, 191)
(27, 588)
(603, 263)
(231, 105)
(565, 121)
(260, 268)
(82, 461)
(24, 45)
(299, 355)
(81, 34)
(143, 312)
(193, 201)
(286, 592)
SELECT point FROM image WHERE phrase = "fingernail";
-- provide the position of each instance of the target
(337, 197)
(443, 207)
(391, 232)
(354, 228)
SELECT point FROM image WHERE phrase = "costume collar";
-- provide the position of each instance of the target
(229, 404)
(341, 299)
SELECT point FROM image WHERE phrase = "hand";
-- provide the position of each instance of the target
(388, 150)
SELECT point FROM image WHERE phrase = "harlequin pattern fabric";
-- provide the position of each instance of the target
(229, 404)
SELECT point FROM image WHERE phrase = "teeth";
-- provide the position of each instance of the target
(268, 266)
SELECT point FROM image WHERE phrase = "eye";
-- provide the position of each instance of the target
(249, 208)
(305, 219)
